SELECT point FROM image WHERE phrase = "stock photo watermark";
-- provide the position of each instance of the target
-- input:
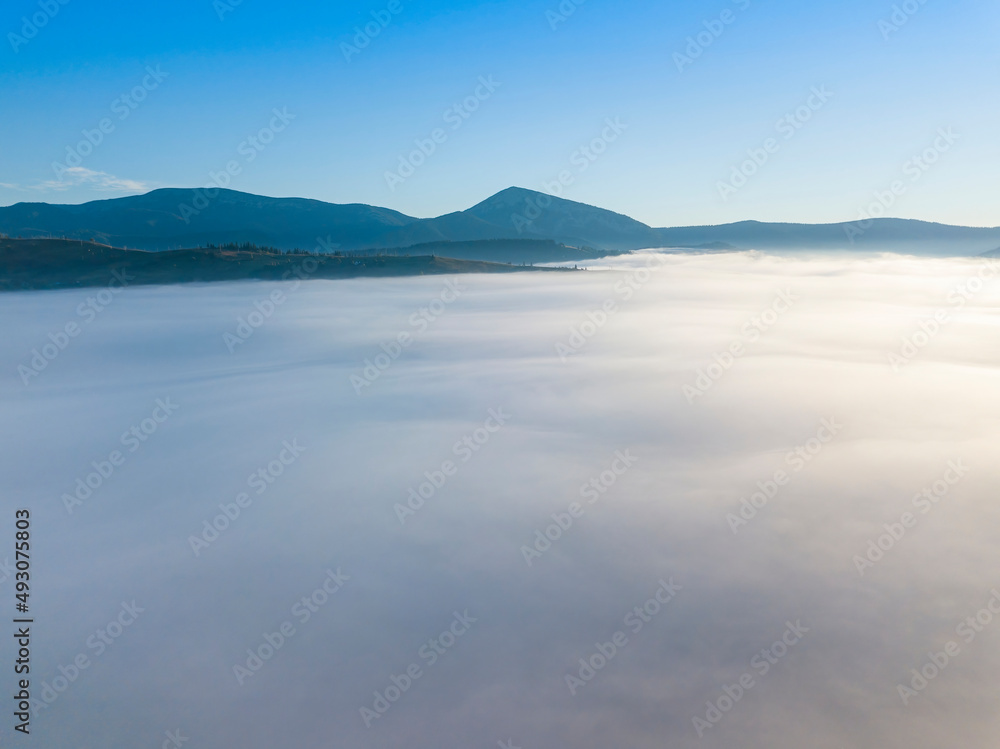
(122, 106)
(249, 148)
(420, 321)
(99, 643)
(761, 663)
(259, 481)
(625, 289)
(303, 610)
(429, 653)
(223, 7)
(796, 459)
(915, 168)
(30, 26)
(59, 340)
(750, 332)
(174, 739)
(562, 13)
(928, 328)
(592, 491)
(133, 439)
(455, 116)
(923, 501)
(635, 620)
(582, 158)
(265, 307)
(464, 449)
(363, 35)
(713, 29)
(967, 629)
(900, 16)
(787, 126)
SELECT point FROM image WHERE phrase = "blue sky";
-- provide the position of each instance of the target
(926, 88)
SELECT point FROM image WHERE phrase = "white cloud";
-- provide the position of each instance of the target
(77, 176)
(495, 347)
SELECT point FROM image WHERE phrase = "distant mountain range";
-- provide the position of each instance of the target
(183, 218)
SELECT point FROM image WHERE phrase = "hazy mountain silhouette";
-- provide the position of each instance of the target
(176, 218)
(885, 234)
(527, 213)
(170, 218)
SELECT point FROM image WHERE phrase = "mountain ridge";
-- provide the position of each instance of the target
(171, 218)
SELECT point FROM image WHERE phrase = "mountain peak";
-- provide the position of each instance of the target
(516, 197)
(159, 220)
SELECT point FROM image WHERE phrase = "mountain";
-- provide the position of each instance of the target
(172, 218)
(881, 235)
(533, 214)
(176, 218)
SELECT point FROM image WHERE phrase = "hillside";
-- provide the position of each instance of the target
(60, 263)
(516, 251)
(175, 218)
(532, 214)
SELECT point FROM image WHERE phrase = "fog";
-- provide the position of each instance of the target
(690, 384)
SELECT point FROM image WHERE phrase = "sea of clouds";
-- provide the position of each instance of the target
(677, 501)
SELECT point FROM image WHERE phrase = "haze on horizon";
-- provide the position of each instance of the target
(870, 89)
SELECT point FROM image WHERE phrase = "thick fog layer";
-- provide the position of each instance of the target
(708, 501)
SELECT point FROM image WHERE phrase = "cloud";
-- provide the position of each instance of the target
(823, 358)
(78, 176)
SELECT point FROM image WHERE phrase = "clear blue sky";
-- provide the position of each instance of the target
(686, 129)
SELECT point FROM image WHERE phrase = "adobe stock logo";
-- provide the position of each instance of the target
(249, 149)
(59, 340)
(259, 480)
(123, 106)
(582, 158)
(604, 652)
(787, 127)
(563, 521)
(48, 9)
(222, 7)
(562, 13)
(99, 642)
(713, 29)
(769, 488)
(923, 501)
(303, 610)
(430, 652)
(716, 710)
(901, 15)
(915, 168)
(455, 116)
(917, 340)
(751, 332)
(393, 349)
(937, 662)
(436, 478)
(363, 36)
(88, 484)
